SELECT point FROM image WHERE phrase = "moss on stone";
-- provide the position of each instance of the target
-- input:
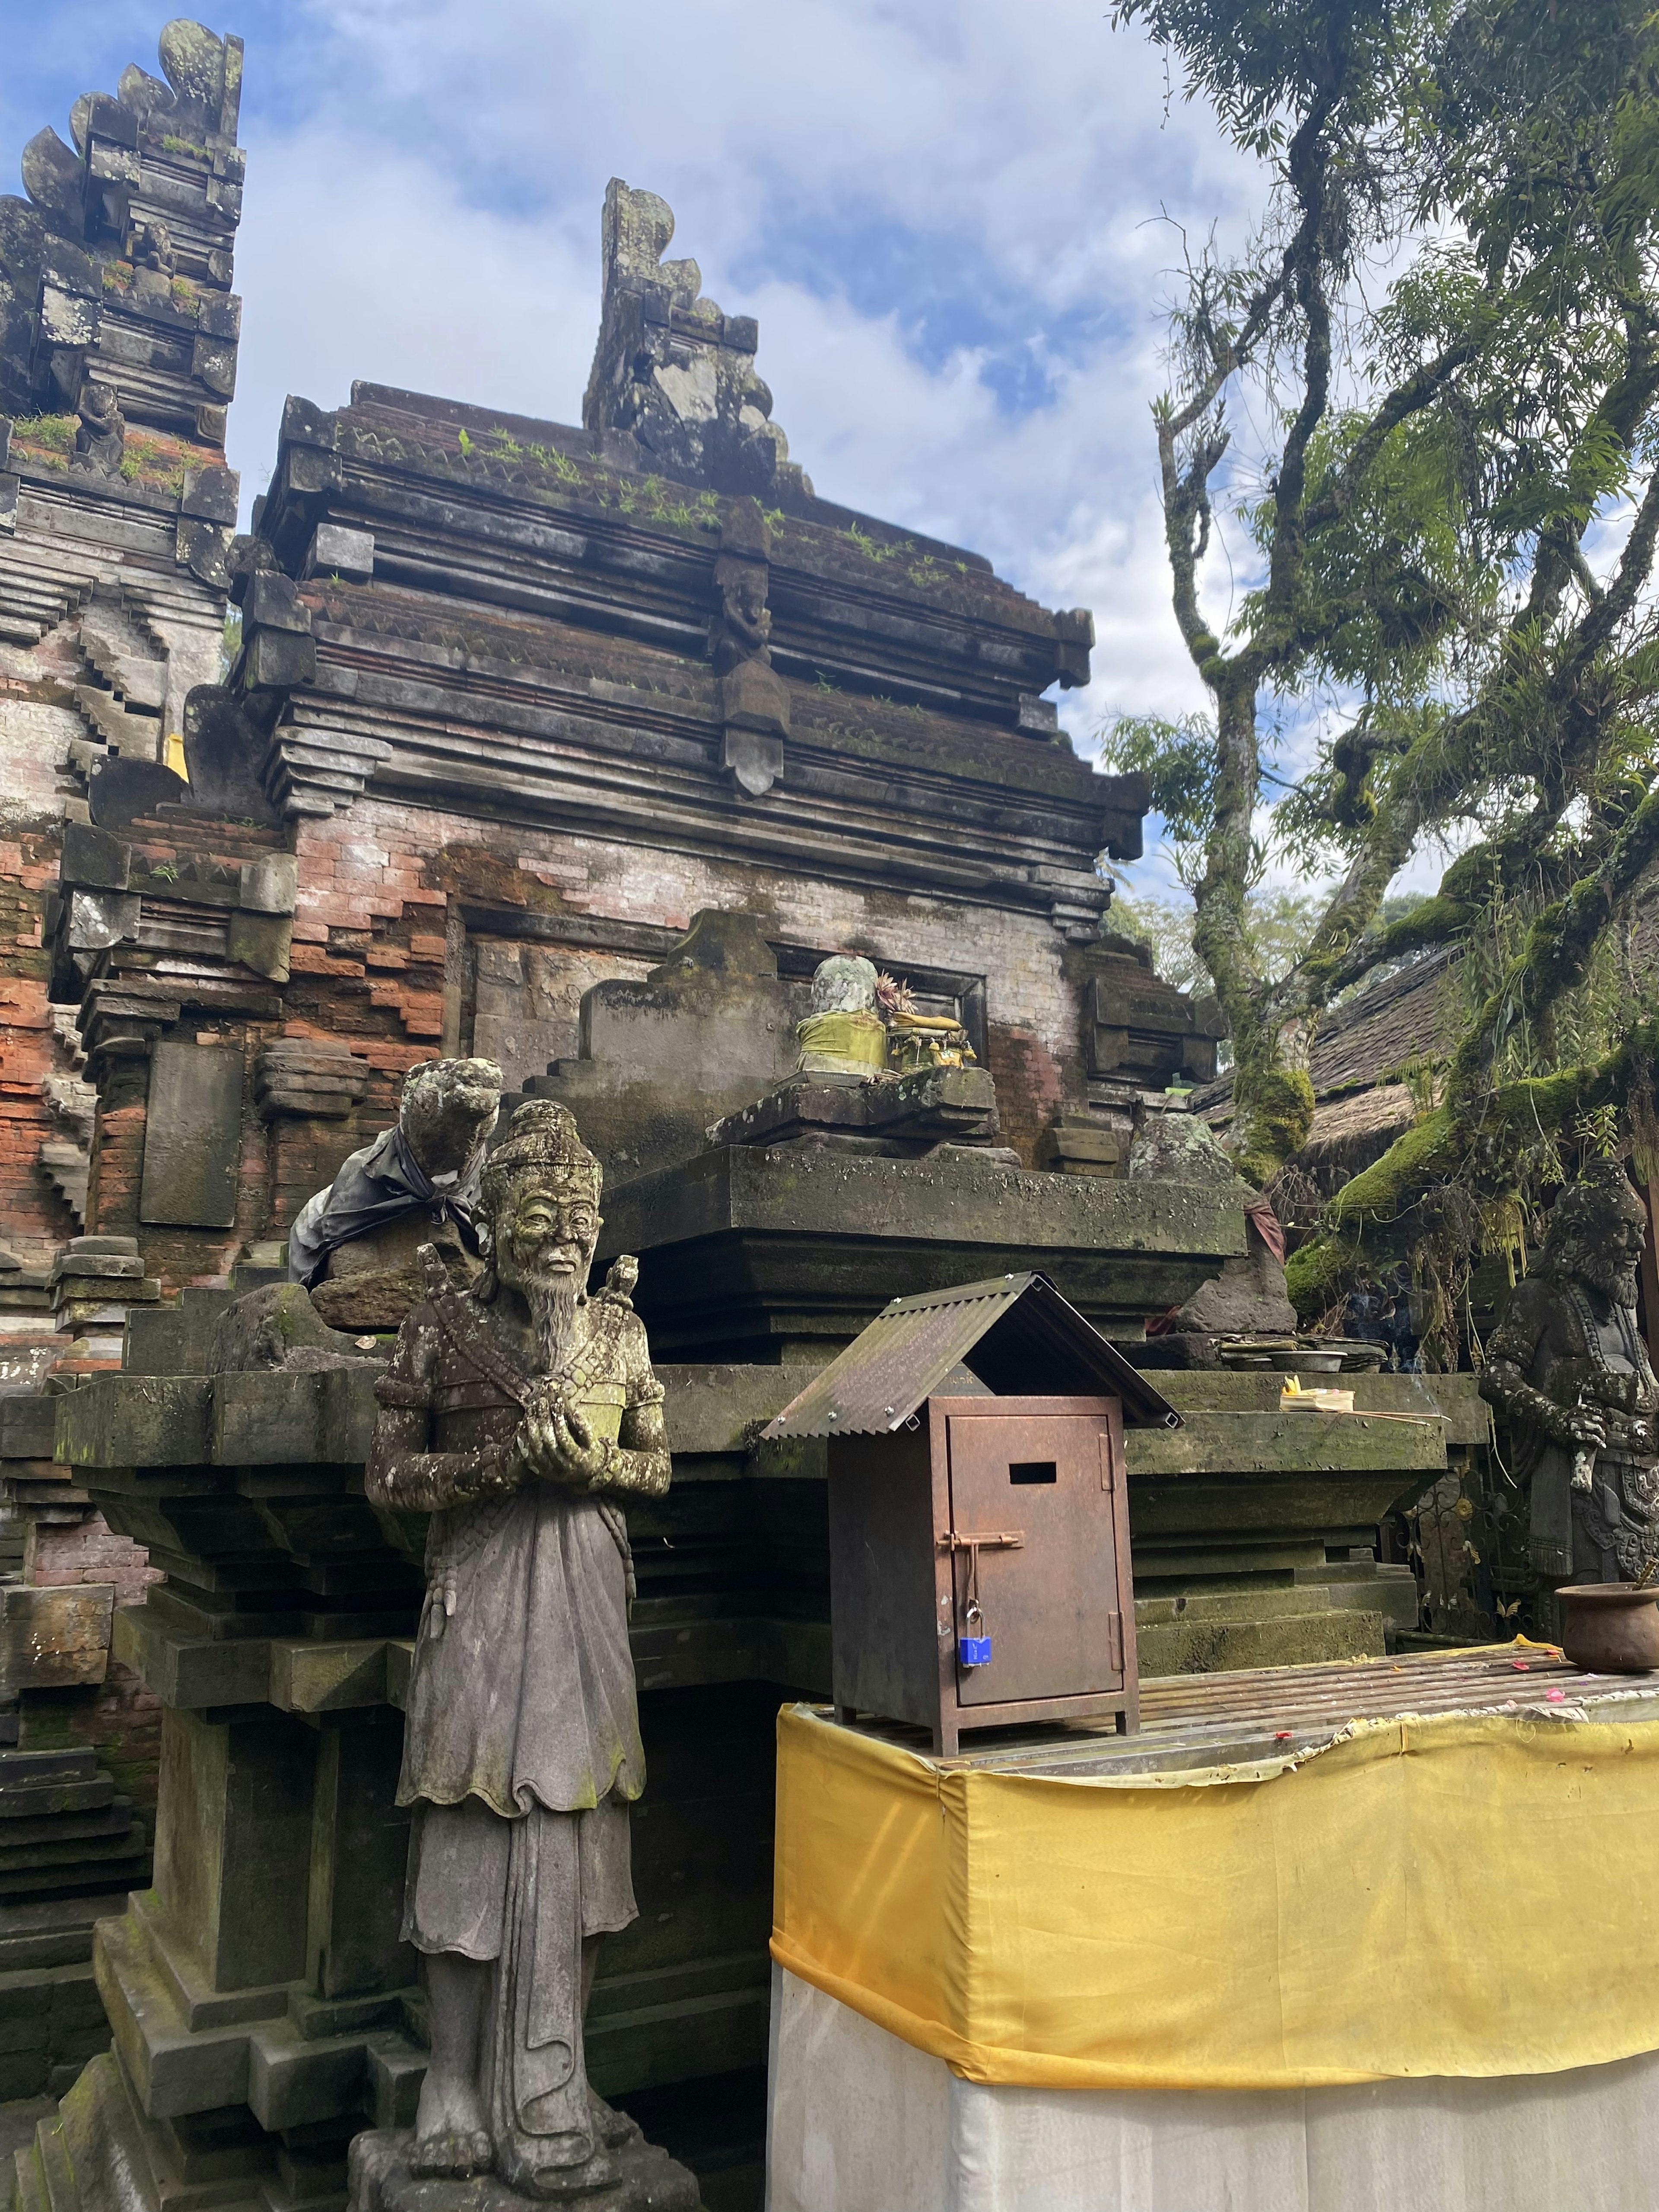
(1280, 1111)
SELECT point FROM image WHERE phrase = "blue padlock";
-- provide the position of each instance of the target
(974, 1651)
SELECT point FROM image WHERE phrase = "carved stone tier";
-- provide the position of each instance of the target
(746, 1253)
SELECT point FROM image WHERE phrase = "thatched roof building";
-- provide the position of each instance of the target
(1362, 1102)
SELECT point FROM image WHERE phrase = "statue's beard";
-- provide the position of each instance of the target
(1614, 1278)
(552, 1302)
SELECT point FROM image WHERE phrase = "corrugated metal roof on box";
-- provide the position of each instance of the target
(1015, 1333)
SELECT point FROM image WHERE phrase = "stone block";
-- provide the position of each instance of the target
(337, 550)
(174, 2070)
(1286, 1445)
(360, 1849)
(210, 494)
(189, 1675)
(269, 884)
(745, 1251)
(308, 1676)
(136, 1421)
(261, 942)
(99, 919)
(95, 858)
(280, 1418)
(233, 1845)
(938, 1105)
(55, 1637)
(277, 660)
(395, 2070)
(28, 1426)
(23, 2074)
(1202, 1647)
(192, 1135)
(29, 2029)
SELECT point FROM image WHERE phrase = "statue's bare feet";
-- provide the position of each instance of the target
(451, 2142)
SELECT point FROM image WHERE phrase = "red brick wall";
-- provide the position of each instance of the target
(117, 1718)
(33, 1219)
(89, 1552)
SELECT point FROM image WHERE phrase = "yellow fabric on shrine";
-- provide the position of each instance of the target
(1461, 1894)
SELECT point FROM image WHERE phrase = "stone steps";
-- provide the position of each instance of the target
(52, 2021)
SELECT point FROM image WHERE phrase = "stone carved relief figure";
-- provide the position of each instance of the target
(743, 627)
(101, 430)
(151, 247)
(1567, 1367)
(520, 1414)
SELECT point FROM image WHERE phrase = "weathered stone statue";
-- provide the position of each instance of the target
(101, 430)
(519, 1414)
(843, 1035)
(1567, 1367)
(354, 1245)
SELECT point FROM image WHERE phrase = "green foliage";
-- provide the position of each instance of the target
(54, 432)
(1279, 924)
(1427, 392)
(1178, 759)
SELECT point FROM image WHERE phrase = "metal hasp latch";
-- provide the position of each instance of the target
(973, 1646)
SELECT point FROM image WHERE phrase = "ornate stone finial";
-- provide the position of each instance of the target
(90, 264)
(674, 370)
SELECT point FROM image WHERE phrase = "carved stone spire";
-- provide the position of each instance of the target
(674, 370)
(116, 271)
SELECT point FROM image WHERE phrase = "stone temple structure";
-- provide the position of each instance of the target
(576, 749)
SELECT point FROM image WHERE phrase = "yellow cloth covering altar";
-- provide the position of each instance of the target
(1227, 1904)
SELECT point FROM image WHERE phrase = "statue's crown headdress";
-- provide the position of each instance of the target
(543, 1135)
(1583, 1208)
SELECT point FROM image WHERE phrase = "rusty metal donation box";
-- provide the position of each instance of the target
(979, 1532)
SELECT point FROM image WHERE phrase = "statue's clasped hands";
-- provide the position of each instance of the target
(1583, 1426)
(557, 1443)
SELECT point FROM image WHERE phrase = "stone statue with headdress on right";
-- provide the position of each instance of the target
(1568, 1370)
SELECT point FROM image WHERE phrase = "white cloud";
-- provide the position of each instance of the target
(364, 262)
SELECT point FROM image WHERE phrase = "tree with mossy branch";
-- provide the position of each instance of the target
(1428, 392)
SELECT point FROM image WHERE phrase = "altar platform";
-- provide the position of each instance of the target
(1322, 1939)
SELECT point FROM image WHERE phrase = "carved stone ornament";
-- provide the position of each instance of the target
(1567, 1368)
(521, 1415)
(354, 1245)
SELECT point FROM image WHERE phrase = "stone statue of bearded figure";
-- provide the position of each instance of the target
(518, 1413)
(1567, 1367)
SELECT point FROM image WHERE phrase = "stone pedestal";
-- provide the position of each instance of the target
(757, 1253)
(647, 2180)
(904, 1117)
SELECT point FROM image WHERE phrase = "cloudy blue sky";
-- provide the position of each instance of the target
(945, 213)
